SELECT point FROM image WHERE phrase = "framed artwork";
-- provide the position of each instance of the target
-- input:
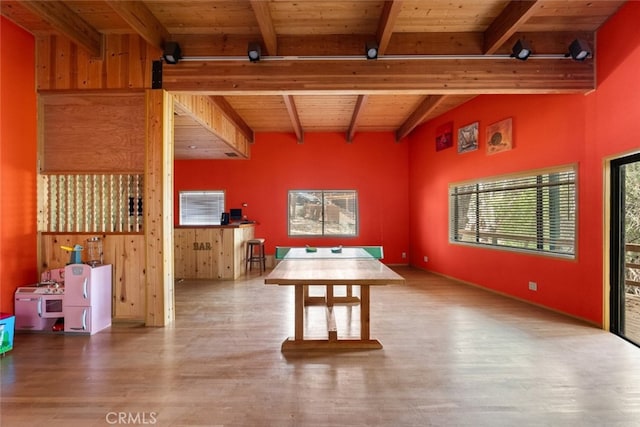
(444, 136)
(499, 137)
(468, 138)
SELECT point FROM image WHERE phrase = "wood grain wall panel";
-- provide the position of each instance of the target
(125, 252)
(93, 132)
(126, 64)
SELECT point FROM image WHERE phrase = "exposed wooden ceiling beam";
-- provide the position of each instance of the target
(507, 23)
(430, 103)
(263, 15)
(360, 104)
(142, 21)
(68, 23)
(416, 76)
(295, 119)
(388, 17)
(204, 111)
(233, 115)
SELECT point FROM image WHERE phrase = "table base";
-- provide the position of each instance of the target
(291, 344)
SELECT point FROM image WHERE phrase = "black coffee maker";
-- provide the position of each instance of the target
(224, 219)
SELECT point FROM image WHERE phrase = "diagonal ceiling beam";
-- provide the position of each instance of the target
(360, 104)
(507, 23)
(142, 21)
(68, 23)
(295, 119)
(430, 103)
(263, 15)
(233, 115)
(388, 18)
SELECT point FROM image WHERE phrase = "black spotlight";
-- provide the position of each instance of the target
(253, 52)
(521, 50)
(579, 50)
(371, 50)
(172, 53)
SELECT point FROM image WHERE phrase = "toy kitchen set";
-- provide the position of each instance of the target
(74, 299)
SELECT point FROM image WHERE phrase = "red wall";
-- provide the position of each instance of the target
(547, 131)
(374, 165)
(18, 259)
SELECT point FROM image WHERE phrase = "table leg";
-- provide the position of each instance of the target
(299, 312)
(329, 295)
(364, 312)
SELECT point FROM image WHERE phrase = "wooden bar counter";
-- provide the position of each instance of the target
(211, 252)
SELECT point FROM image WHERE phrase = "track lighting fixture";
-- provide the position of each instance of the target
(579, 50)
(521, 50)
(371, 50)
(253, 52)
(172, 53)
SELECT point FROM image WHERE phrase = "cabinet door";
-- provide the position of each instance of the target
(77, 285)
(77, 319)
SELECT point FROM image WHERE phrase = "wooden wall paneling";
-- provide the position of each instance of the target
(92, 132)
(64, 62)
(158, 202)
(128, 251)
(125, 252)
(126, 64)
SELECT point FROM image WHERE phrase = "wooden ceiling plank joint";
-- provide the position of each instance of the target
(138, 16)
(267, 29)
(68, 23)
(360, 104)
(293, 115)
(507, 23)
(390, 13)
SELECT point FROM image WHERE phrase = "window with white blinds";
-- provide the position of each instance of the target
(201, 207)
(532, 212)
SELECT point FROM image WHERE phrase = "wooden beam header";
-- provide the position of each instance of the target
(422, 76)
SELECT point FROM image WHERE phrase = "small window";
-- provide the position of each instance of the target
(532, 212)
(323, 213)
(201, 207)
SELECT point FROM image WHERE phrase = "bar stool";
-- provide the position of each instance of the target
(256, 256)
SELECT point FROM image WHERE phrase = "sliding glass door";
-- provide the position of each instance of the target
(625, 248)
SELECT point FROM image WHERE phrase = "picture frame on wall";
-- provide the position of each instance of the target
(444, 136)
(468, 138)
(499, 136)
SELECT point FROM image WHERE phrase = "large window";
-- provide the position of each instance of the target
(533, 212)
(323, 213)
(201, 207)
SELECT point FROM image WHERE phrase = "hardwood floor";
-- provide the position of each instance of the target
(453, 356)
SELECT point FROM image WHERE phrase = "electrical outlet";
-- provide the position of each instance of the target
(426, 258)
(533, 286)
(404, 255)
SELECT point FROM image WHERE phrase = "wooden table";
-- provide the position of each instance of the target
(350, 267)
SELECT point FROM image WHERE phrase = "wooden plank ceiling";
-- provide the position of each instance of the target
(313, 75)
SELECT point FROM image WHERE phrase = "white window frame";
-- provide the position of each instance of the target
(325, 215)
(539, 212)
(201, 207)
